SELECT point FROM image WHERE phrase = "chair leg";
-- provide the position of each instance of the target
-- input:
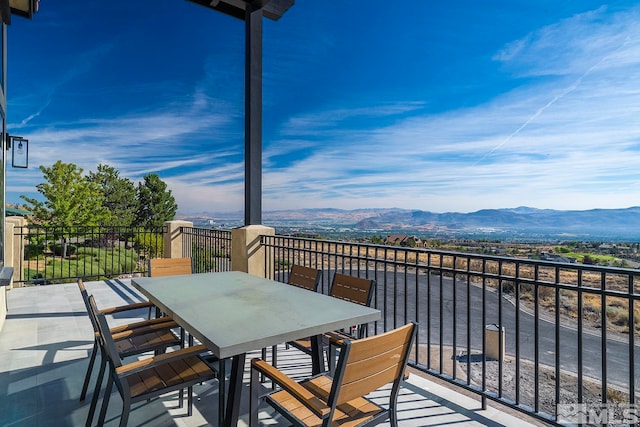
(274, 362)
(274, 356)
(254, 398)
(105, 401)
(263, 356)
(332, 356)
(393, 417)
(126, 408)
(87, 376)
(393, 404)
(96, 392)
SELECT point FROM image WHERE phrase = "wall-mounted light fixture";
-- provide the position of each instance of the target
(24, 8)
(19, 151)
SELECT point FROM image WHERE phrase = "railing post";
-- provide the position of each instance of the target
(172, 238)
(246, 252)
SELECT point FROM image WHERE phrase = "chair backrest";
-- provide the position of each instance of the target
(366, 365)
(87, 305)
(169, 266)
(356, 290)
(305, 277)
(353, 289)
(105, 338)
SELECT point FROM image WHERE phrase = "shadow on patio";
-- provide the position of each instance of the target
(47, 337)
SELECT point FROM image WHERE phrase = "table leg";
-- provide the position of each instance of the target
(222, 391)
(317, 359)
(235, 391)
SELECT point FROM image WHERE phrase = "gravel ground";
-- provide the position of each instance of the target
(591, 390)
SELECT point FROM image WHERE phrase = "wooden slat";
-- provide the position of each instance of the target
(143, 323)
(157, 327)
(350, 414)
(356, 412)
(371, 366)
(168, 375)
(364, 386)
(350, 288)
(304, 277)
(159, 267)
(364, 349)
(292, 387)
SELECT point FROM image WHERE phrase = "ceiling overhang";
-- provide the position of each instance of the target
(272, 9)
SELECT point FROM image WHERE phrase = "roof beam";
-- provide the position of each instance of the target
(272, 9)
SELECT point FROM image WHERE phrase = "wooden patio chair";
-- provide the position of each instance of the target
(350, 288)
(132, 338)
(159, 267)
(340, 399)
(148, 378)
(302, 277)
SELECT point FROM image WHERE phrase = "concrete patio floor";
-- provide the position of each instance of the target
(47, 337)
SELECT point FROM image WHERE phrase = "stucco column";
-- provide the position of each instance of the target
(172, 238)
(14, 247)
(246, 252)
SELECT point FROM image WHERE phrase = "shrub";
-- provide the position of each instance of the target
(57, 249)
(618, 316)
(148, 243)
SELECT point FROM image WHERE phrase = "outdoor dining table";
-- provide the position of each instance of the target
(232, 313)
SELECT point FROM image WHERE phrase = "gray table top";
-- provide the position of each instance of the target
(234, 312)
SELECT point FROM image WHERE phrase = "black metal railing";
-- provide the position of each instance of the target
(526, 333)
(209, 249)
(61, 254)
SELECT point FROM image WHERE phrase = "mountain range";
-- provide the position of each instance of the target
(611, 224)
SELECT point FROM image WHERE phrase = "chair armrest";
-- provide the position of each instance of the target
(141, 324)
(120, 308)
(336, 338)
(308, 399)
(144, 330)
(144, 364)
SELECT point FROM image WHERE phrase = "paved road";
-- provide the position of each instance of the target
(454, 318)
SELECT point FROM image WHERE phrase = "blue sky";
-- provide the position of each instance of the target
(438, 106)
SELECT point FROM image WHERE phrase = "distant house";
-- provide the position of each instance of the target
(546, 256)
(9, 211)
(396, 239)
(415, 242)
(403, 240)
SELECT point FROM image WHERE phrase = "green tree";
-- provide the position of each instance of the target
(70, 201)
(155, 203)
(119, 195)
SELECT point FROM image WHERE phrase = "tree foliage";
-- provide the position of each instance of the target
(102, 198)
(119, 195)
(70, 200)
(156, 204)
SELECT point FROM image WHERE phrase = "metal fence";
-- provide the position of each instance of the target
(528, 334)
(61, 254)
(209, 249)
(50, 255)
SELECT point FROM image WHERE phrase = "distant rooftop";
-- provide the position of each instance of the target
(16, 212)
